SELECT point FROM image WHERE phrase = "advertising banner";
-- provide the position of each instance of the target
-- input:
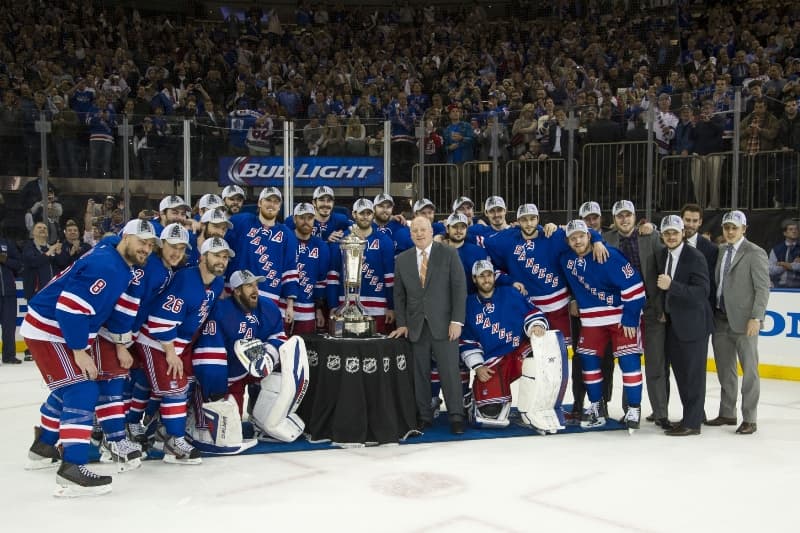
(311, 172)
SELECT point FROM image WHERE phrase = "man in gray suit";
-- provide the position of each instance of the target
(742, 275)
(641, 250)
(430, 293)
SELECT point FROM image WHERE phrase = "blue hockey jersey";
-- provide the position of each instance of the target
(269, 251)
(239, 121)
(323, 230)
(230, 322)
(399, 233)
(611, 293)
(495, 326)
(179, 312)
(78, 301)
(313, 265)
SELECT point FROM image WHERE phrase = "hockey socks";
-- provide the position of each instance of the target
(173, 414)
(77, 416)
(631, 366)
(110, 408)
(593, 377)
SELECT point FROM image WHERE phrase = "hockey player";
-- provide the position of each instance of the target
(328, 225)
(393, 228)
(267, 248)
(591, 213)
(207, 202)
(610, 299)
(313, 265)
(253, 321)
(377, 272)
(495, 210)
(529, 256)
(498, 327)
(426, 208)
(171, 209)
(233, 196)
(165, 343)
(62, 321)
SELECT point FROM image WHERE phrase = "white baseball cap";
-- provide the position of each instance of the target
(214, 245)
(243, 277)
(140, 228)
(216, 216)
(622, 206)
(322, 190)
(419, 205)
(527, 209)
(457, 218)
(175, 233)
(575, 226)
(736, 218)
(482, 265)
(461, 200)
(270, 191)
(232, 190)
(671, 222)
(589, 208)
(172, 202)
(492, 202)
(207, 201)
(304, 208)
(363, 204)
(383, 197)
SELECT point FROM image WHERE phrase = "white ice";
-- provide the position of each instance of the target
(605, 481)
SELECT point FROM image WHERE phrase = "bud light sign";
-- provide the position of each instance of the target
(309, 171)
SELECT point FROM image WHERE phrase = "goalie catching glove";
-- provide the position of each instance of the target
(256, 356)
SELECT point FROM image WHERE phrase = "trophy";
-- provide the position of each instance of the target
(350, 319)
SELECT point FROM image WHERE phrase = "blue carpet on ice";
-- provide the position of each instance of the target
(440, 432)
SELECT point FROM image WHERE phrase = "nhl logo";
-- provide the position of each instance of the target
(351, 365)
(401, 362)
(313, 358)
(370, 365)
(387, 364)
(334, 363)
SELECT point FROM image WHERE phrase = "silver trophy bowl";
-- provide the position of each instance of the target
(350, 319)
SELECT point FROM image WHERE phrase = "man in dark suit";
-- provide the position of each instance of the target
(641, 251)
(430, 293)
(684, 281)
(692, 216)
(10, 267)
(742, 295)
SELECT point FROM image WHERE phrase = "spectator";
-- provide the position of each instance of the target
(72, 246)
(10, 267)
(784, 258)
(65, 134)
(333, 136)
(706, 168)
(50, 216)
(523, 130)
(788, 139)
(458, 138)
(355, 137)
(313, 136)
(38, 260)
(102, 130)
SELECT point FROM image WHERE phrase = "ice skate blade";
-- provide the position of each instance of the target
(71, 490)
(589, 425)
(41, 463)
(171, 459)
(121, 466)
(631, 431)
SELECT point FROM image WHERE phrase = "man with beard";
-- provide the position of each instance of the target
(213, 223)
(165, 342)
(692, 216)
(233, 196)
(247, 316)
(387, 224)
(267, 248)
(377, 273)
(112, 346)
(62, 321)
(171, 209)
(328, 225)
(529, 256)
(313, 265)
(495, 210)
(610, 299)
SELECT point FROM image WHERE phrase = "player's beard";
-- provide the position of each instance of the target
(247, 302)
(135, 258)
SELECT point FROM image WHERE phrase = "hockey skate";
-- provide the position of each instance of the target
(40, 454)
(632, 417)
(77, 480)
(125, 454)
(178, 451)
(136, 433)
(96, 439)
(592, 417)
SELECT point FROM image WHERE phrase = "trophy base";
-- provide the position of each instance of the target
(352, 328)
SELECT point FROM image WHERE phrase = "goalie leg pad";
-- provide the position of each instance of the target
(222, 434)
(282, 392)
(544, 382)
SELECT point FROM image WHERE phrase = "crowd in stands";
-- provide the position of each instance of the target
(340, 71)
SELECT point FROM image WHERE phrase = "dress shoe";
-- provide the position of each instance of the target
(681, 431)
(457, 427)
(665, 424)
(747, 428)
(721, 421)
(14, 361)
(651, 418)
(422, 425)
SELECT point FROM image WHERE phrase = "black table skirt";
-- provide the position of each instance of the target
(359, 391)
